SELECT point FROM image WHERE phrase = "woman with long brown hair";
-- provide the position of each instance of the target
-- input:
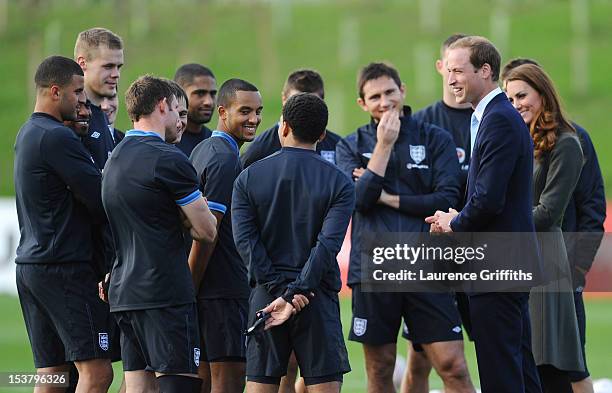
(557, 166)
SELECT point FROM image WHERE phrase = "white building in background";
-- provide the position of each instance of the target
(9, 239)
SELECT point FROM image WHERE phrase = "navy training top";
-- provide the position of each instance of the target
(217, 164)
(268, 143)
(57, 187)
(190, 140)
(144, 183)
(290, 212)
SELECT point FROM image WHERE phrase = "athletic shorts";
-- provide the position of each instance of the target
(222, 326)
(428, 317)
(65, 319)
(462, 303)
(314, 334)
(164, 340)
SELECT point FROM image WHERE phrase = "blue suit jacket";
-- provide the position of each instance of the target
(499, 196)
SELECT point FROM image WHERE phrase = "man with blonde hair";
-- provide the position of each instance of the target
(99, 52)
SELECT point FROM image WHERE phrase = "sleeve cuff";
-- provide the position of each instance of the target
(374, 177)
(452, 224)
(189, 198)
(221, 208)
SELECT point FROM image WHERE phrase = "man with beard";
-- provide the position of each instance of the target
(200, 86)
(218, 271)
(58, 198)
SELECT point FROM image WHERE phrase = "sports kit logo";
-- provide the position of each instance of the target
(417, 153)
(457, 329)
(95, 134)
(196, 356)
(360, 325)
(103, 341)
(367, 155)
(329, 155)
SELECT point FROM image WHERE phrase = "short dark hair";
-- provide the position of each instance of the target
(145, 93)
(482, 52)
(449, 41)
(186, 73)
(179, 92)
(227, 91)
(307, 116)
(512, 64)
(304, 81)
(92, 39)
(56, 70)
(374, 71)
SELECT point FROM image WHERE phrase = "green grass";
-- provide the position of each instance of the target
(263, 41)
(15, 352)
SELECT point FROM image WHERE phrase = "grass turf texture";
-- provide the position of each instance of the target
(263, 41)
(15, 354)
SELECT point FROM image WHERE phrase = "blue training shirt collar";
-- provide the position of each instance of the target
(227, 137)
(142, 133)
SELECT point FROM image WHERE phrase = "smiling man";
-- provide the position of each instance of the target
(57, 189)
(99, 52)
(499, 198)
(404, 169)
(219, 273)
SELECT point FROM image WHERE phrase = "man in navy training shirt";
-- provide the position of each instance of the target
(149, 191)
(583, 227)
(200, 85)
(404, 169)
(57, 189)
(300, 81)
(290, 212)
(220, 276)
(99, 52)
(454, 118)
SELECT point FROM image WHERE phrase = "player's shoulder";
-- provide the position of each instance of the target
(58, 134)
(428, 113)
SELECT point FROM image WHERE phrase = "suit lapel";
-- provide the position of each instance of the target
(497, 99)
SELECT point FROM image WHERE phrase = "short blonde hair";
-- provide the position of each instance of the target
(90, 40)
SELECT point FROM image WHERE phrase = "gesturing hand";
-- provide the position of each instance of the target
(388, 127)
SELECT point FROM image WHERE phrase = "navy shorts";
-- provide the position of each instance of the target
(428, 317)
(462, 302)
(222, 326)
(314, 334)
(65, 319)
(164, 340)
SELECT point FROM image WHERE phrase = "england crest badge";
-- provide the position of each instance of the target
(360, 326)
(103, 341)
(417, 153)
(196, 356)
(329, 155)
